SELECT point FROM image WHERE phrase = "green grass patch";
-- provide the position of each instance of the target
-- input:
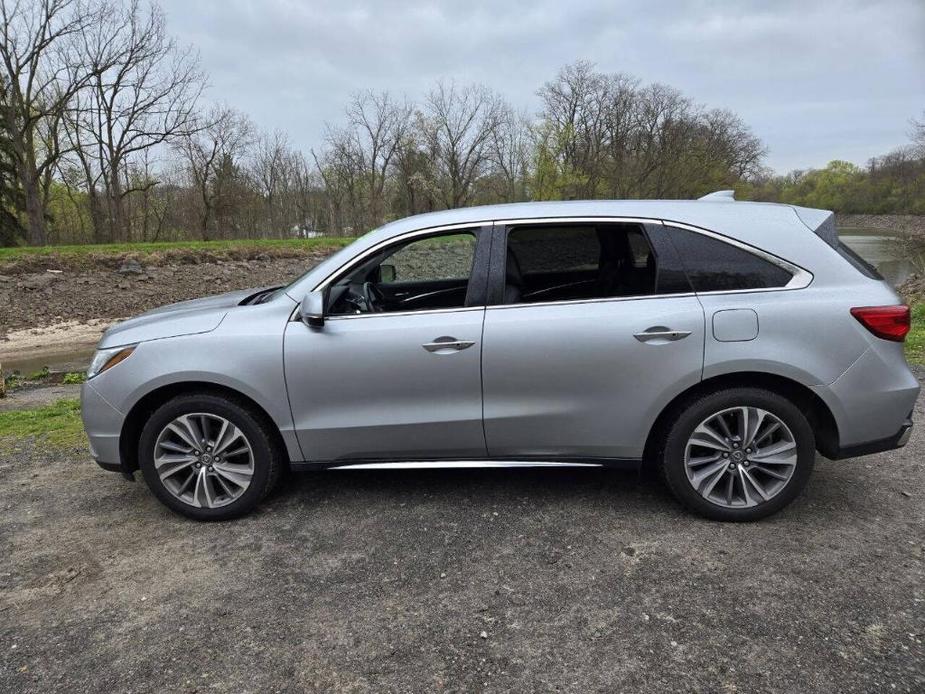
(915, 340)
(57, 424)
(74, 378)
(39, 375)
(24, 252)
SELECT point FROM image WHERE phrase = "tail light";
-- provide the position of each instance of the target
(886, 322)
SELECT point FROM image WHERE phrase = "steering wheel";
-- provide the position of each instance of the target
(373, 296)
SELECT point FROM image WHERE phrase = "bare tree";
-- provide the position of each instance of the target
(276, 170)
(918, 135)
(42, 71)
(511, 142)
(339, 165)
(605, 135)
(143, 93)
(211, 154)
(379, 123)
(458, 124)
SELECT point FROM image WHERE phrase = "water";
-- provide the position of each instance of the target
(66, 361)
(876, 247)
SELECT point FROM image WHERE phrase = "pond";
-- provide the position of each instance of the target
(875, 246)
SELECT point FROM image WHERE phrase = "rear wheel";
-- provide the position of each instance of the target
(738, 454)
(208, 457)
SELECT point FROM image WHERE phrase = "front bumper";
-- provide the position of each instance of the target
(103, 424)
(897, 440)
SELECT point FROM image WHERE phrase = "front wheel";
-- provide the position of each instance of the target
(738, 455)
(208, 457)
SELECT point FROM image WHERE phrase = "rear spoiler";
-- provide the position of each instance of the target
(820, 222)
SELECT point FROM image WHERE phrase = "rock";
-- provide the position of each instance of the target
(262, 256)
(130, 267)
(483, 635)
(35, 282)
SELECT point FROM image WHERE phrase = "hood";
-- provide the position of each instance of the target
(184, 318)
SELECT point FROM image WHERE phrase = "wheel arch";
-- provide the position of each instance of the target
(816, 410)
(140, 412)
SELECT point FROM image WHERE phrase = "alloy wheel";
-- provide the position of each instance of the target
(204, 460)
(740, 457)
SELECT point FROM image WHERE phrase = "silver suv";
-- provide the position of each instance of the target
(722, 342)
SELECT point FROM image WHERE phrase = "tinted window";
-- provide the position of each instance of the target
(581, 261)
(714, 265)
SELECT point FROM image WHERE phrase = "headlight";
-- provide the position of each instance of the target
(107, 358)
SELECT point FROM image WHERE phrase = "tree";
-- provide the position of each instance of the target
(378, 123)
(143, 93)
(42, 71)
(458, 124)
(510, 154)
(212, 153)
(11, 203)
(573, 131)
(918, 135)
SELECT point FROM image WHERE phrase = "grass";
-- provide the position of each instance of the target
(57, 424)
(25, 252)
(915, 340)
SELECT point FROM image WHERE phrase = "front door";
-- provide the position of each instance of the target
(591, 334)
(394, 373)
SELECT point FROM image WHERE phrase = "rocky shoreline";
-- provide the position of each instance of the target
(897, 223)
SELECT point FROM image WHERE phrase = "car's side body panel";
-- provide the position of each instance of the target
(244, 354)
(366, 387)
(572, 380)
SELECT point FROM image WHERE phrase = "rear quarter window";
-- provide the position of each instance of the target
(713, 265)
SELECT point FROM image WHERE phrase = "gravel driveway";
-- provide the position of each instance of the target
(413, 581)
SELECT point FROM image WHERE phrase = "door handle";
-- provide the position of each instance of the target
(661, 333)
(447, 344)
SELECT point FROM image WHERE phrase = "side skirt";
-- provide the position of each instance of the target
(630, 464)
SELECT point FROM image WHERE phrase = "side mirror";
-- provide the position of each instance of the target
(386, 273)
(311, 310)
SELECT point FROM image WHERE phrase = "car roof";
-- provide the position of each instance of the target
(722, 215)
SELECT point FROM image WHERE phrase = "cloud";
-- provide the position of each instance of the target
(816, 80)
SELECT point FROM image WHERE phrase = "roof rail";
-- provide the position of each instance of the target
(720, 196)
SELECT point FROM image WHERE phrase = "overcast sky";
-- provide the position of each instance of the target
(815, 79)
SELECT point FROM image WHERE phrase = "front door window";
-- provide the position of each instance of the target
(421, 274)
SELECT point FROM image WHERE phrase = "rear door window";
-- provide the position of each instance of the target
(567, 262)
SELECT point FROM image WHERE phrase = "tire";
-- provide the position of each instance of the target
(220, 488)
(742, 498)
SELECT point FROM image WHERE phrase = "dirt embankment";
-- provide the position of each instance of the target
(106, 289)
(908, 223)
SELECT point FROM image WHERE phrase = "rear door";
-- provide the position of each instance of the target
(590, 331)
